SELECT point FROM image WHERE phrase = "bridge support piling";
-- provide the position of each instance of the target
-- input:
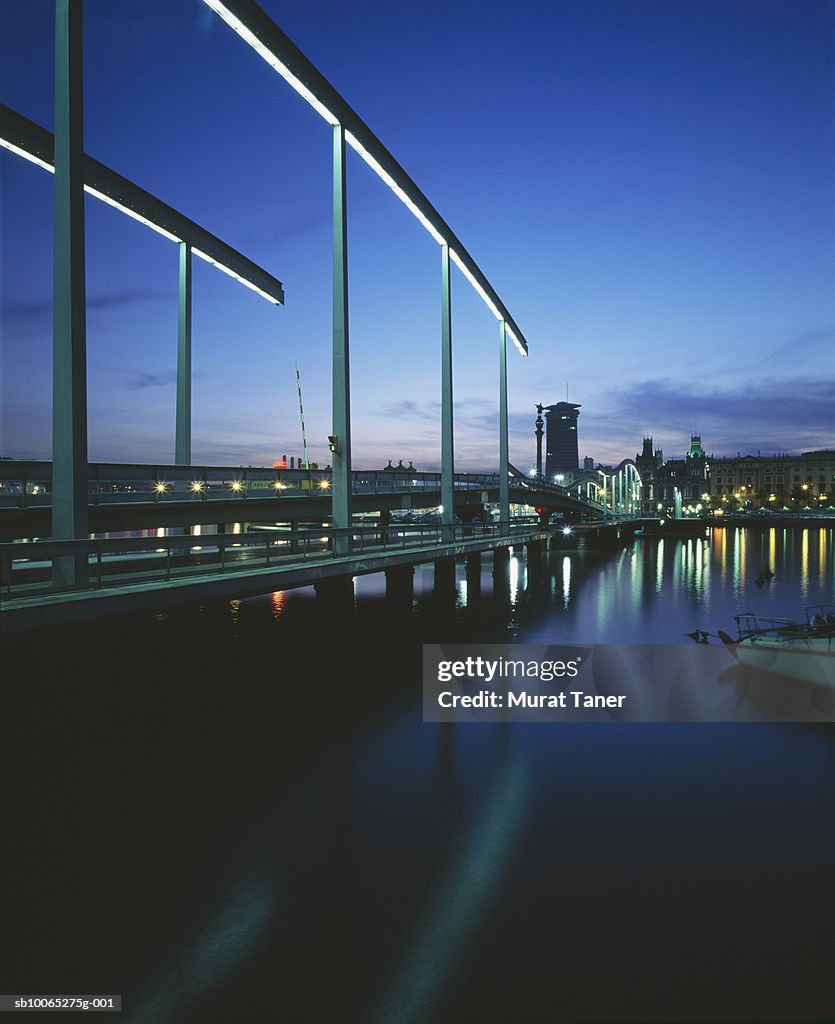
(533, 558)
(534, 551)
(335, 596)
(501, 573)
(473, 576)
(444, 589)
(69, 346)
(400, 588)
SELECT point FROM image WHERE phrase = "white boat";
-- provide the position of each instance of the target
(798, 650)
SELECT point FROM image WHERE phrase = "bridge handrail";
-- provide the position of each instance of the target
(382, 536)
(24, 483)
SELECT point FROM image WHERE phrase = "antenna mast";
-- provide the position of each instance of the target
(301, 417)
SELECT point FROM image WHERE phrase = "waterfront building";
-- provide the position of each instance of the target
(776, 481)
(689, 477)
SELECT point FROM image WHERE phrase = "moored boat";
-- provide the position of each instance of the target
(798, 650)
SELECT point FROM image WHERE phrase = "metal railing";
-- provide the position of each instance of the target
(27, 485)
(26, 568)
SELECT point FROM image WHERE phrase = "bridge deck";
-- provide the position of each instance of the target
(136, 496)
(115, 588)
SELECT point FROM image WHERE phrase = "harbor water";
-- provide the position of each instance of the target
(236, 813)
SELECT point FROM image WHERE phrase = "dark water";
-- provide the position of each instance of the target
(237, 814)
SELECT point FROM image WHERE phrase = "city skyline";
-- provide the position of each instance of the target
(646, 188)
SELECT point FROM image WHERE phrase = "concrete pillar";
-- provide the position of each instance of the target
(533, 558)
(473, 576)
(444, 578)
(501, 573)
(400, 587)
(335, 596)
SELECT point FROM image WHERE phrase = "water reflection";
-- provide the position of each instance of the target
(804, 565)
(277, 602)
(517, 576)
(462, 900)
(659, 566)
(300, 838)
(656, 591)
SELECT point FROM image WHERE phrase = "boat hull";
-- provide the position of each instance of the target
(800, 660)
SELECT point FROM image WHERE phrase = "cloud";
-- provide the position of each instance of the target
(109, 300)
(773, 415)
(139, 381)
(409, 410)
(291, 227)
(803, 345)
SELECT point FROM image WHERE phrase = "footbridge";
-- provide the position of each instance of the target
(71, 504)
(132, 497)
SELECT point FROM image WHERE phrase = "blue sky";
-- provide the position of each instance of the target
(647, 185)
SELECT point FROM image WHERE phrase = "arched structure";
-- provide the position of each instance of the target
(616, 491)
(624, 489)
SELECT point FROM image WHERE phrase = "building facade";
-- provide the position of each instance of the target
(561, 448)
(774, 481)
(747, 481)
(662, 481)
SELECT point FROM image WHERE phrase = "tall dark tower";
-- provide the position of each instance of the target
(561, 450)
(539, 424)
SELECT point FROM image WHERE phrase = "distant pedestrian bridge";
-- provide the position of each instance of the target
(137, 496)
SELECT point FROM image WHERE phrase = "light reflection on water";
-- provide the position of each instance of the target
(804, 564)
(406, 852)
(659, 566)
(657, 590)
(517, 576)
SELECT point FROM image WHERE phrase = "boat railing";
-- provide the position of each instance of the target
(751, 626)
(819, 616)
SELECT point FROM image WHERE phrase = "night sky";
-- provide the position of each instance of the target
(646, 184)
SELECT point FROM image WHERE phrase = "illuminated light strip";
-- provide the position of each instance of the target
(27, 156)
(236, 276)
(264, 52)
(515, 340)
(91, 191)
(456, 259)
(358, 147)
(131, 213)
(142, 220)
